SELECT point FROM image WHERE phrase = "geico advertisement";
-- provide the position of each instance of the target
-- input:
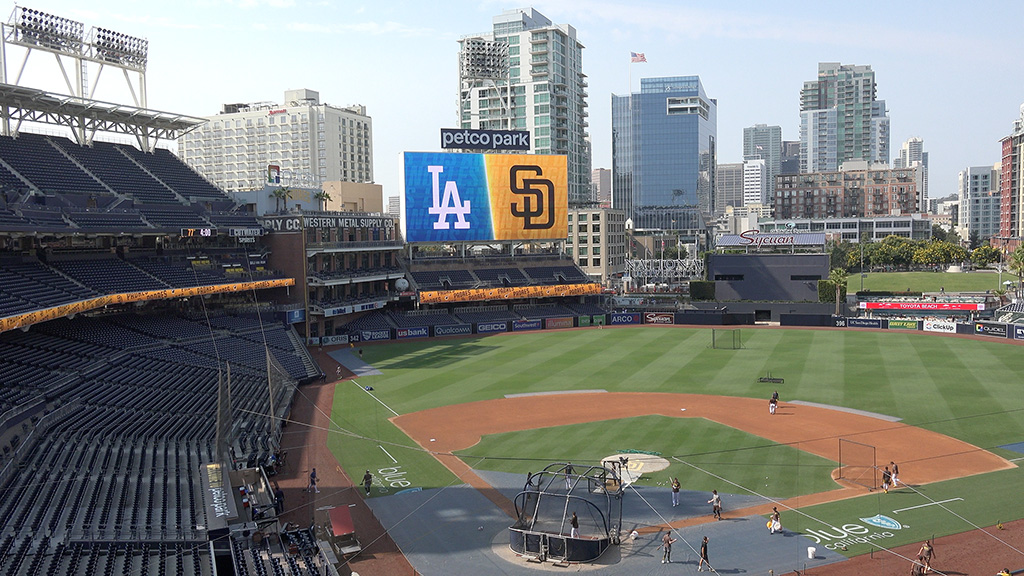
(463, 197)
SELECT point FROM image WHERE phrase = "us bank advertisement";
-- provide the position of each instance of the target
(468, 197)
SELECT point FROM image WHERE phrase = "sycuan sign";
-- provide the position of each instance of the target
(758, 239)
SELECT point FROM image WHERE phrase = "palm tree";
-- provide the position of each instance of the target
(837, 276)
(283, 193)
(1017, 265)
(324, 197)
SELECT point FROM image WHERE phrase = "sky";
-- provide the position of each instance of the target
(950, 74)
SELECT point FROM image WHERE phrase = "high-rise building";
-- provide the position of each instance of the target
(841, 120)
(664, 155)
(790, 157)
(527, 74)
(601, 181)
(979, 202)
(764, 142)
(1011, 185)
(308, 142)
(912, 154)
(730, 187)
(755, 182)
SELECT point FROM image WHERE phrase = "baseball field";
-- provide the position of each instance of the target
(949, 410)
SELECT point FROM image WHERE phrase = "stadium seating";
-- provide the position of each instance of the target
(437, 279)
(117, 171)
(502, 276)
(116, 466)
(38, 161)
(175, 173)
(108, 275)
(556, 274)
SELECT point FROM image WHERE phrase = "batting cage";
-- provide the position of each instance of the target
(556, 497)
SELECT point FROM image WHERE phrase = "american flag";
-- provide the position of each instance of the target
(635, 57)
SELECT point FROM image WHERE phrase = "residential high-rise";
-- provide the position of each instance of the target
(601, 181)
(730, 187)
(841, 120)
(527, 74)
(1011, 185)
(308, 141)
(755, 182)
(664, 155)
(764, 142)
(979, 202)
(912, 154)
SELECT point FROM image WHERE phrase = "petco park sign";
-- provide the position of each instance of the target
(758, 239)
(484, 139)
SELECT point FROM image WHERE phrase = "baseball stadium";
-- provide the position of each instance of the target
(197, 385)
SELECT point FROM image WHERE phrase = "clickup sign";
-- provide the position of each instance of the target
(464, 139)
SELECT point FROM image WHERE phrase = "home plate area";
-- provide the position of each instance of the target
(632, 465)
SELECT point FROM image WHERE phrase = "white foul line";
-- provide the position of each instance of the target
(923, 505)
(377, 399)
(388, 453)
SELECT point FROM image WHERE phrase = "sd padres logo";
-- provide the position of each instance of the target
(534, 202)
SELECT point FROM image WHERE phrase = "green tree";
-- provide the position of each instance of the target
(281, 194)
(938, 233)
(839, 253)
(893, 251)
(853, 258)
(974, 239)
(837, 276)
(984, 255)
(1016, 263)
(937, 253)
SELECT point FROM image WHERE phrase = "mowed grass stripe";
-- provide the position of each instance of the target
(696, 441)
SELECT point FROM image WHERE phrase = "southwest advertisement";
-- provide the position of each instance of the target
(467, 197)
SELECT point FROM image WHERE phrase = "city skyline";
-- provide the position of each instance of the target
(399, 60)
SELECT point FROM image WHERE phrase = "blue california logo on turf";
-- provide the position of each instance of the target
(883, 521)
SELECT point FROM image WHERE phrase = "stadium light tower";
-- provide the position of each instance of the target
(35, 30)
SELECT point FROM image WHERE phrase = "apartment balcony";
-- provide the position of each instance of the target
(538, 72)
(539, 48)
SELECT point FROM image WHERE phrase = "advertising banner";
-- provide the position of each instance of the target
(518, 292)
(658, 318)
(465, 197)
(36, 316)
(599, 320)
(1018, 332)
(940, 326)
(993, 329)
(490, 327)
(903, 324)
(518, 325)
(556, 323)
(373, 335)
(863, 322)
(583, 320)
(295, 316)
(332, 340)
(939, 306)
(624, 318)
(417, 332)
(453, 330)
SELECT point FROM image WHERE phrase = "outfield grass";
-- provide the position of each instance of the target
(928, 281)
(954, 386)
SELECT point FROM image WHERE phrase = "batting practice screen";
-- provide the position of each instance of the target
(479, 197)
